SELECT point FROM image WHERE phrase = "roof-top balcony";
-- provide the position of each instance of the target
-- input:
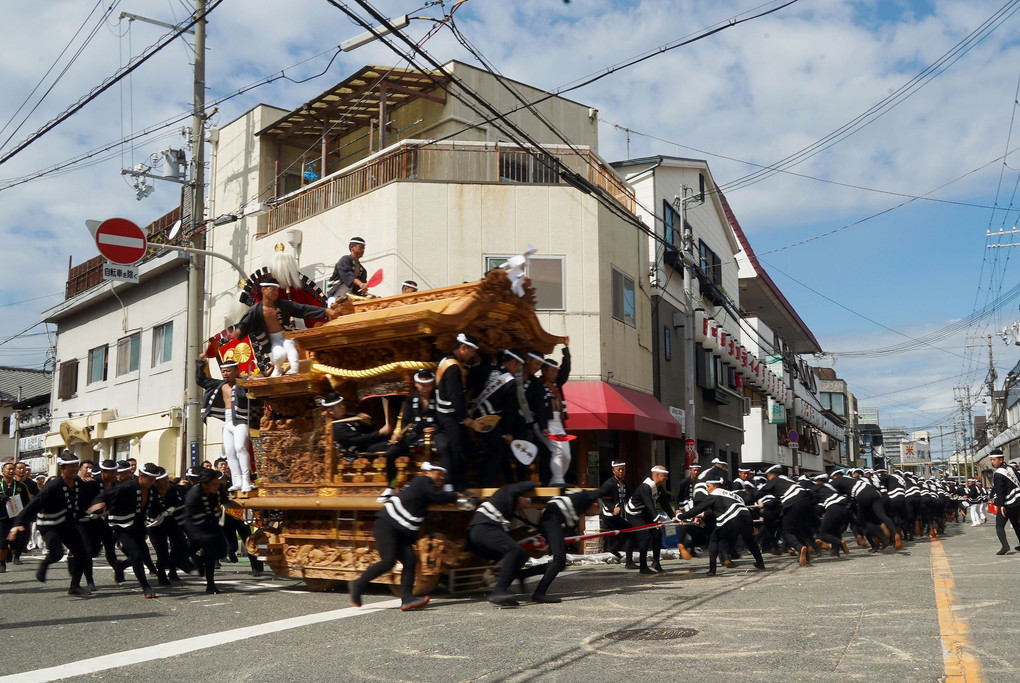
(451, 162)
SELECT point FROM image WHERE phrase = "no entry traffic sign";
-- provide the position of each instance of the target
(121, 241)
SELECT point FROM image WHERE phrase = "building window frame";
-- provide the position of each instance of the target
(547, 298)
(98, 364)
(623, 286)
(129, 352)
(67, 379)
(162, 343)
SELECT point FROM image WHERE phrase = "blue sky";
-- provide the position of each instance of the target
(757, 92)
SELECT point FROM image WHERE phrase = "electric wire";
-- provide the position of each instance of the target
(109, 82)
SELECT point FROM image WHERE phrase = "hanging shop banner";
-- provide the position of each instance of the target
(777, 412)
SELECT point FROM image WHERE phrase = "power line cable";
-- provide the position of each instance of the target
(147, 54)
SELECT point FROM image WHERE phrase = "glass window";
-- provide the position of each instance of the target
(624, 305)
(670, 224)
(547, 279)
(667, 343)
(128, 350)
(97, 365)
(162, 343)
(710, 264)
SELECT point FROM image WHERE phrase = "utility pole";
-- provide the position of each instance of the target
(690, 339)
(193, 435)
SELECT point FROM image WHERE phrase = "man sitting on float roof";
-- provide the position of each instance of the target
(353, 432)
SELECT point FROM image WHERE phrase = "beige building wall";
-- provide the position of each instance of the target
(439, 234)
(145, 401)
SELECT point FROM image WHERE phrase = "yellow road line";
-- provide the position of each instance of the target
(961, 664)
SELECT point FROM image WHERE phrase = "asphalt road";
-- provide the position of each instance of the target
(932, 612)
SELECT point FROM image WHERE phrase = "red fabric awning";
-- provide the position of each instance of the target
(602, 406)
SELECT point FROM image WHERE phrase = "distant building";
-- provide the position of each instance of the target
(25, 409)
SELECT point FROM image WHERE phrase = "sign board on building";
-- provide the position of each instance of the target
(777, 412)
(680, 416)
(775, 364)
(120, 273)
(31, 443)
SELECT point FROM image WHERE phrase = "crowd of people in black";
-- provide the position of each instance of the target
(121, 507)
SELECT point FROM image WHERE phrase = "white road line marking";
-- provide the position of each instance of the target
(117, 660)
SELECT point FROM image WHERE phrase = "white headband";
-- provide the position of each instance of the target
(61, 461)
(326, 404)
(429, 467)
(513, 355)
(163, 476)
(660, 469)
(462, 339)
(420, 379)
(536, 356)
(619, 464)
(356, 240)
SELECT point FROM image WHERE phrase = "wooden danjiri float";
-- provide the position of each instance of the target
(315, 505)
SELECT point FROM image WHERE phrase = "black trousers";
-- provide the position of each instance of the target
(394, 545)
(171, 546)
(212, 546)
(97, 535)
(59, 537)
(614, 523)
(873, 515)
(490, 542)
(650, 538)
(1012, 515)
(455, 450)
(132, 542)
(726, 535)
(5, 528)
(552, 530)
(834, 521)
(797, 522)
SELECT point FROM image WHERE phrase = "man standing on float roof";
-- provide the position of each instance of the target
(349, 276)
(268, 320)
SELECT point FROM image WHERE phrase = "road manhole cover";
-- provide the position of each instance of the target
(652, 634)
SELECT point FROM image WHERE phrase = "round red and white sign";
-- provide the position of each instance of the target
(121, 241)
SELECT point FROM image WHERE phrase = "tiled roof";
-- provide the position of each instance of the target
(26, 381)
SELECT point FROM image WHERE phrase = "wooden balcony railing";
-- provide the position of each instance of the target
(449, 162)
